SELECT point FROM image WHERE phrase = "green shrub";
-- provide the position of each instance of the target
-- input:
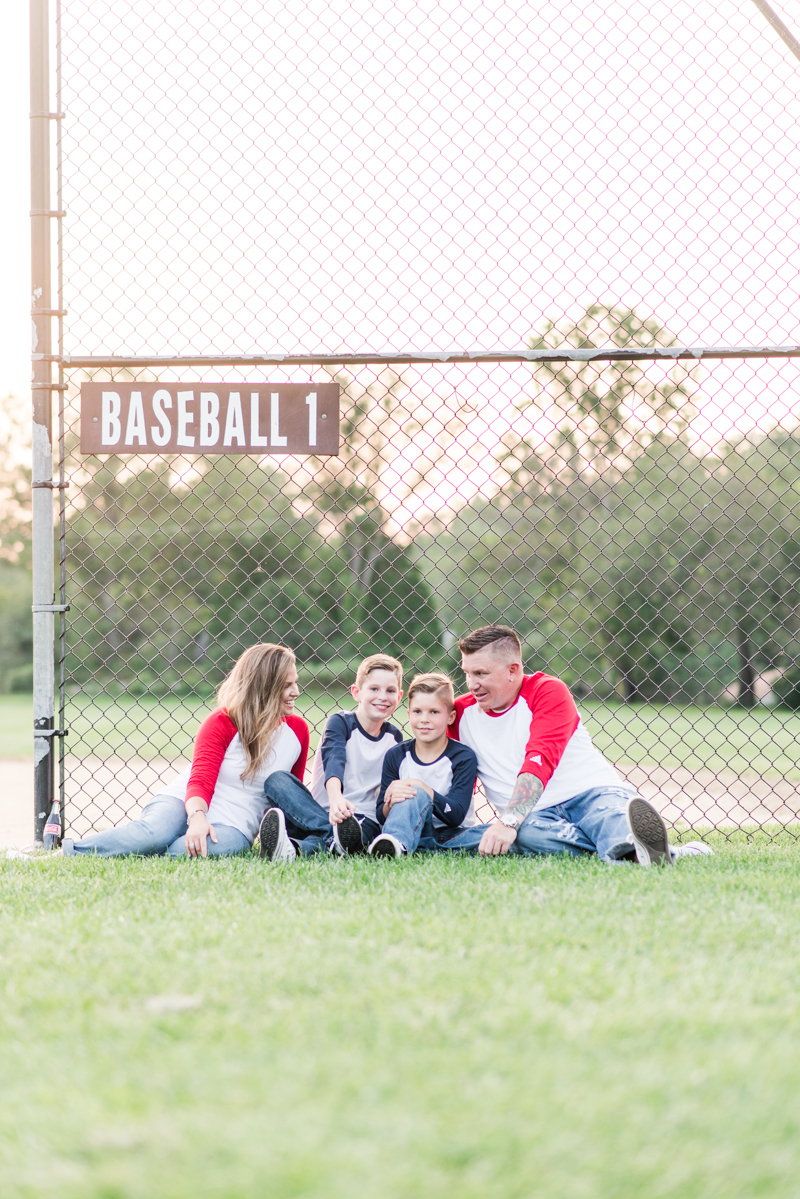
(16, 630)
(787, 689)
(20, 680)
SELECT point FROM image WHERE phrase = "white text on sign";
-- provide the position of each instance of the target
(287, 418)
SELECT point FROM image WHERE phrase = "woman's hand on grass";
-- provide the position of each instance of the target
(196, 836)
(340, 809)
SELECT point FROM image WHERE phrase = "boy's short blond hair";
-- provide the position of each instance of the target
(379, 662)
(434, 683)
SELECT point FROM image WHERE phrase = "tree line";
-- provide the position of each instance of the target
(633, 563)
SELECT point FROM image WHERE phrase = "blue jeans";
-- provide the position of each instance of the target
(160, 830)
(594, 822)
(307, 822)
(411, 821)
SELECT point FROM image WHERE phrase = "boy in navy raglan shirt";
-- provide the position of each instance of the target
(428, 783)
(338, 813)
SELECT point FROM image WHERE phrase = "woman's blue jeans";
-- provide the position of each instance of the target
(160, 830)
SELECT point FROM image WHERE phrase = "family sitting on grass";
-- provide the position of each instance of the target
(372, 792)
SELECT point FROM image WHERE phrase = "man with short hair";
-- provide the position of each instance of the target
(554, 792)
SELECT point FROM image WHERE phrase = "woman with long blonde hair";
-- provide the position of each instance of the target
(214, 806)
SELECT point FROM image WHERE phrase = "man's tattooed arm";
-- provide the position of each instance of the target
(527, 793)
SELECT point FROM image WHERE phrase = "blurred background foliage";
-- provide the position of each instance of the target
(631, 563)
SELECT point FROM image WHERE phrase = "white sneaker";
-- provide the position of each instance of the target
(386, 846)
(273, 840)
(649, 833)
(692, 849)
(29, 853)
(347, 838)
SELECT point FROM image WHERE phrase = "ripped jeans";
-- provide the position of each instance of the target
(594, 822)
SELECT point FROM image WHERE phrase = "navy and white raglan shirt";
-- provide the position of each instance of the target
(451, 778)
(351, 755)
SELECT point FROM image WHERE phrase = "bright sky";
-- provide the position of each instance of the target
(426, 174)
(15, 370)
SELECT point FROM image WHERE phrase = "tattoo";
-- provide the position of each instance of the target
(527, 793)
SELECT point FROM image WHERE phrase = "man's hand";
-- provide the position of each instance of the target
(500, 836)
(340, 809)
(196, 836)
(497, 840)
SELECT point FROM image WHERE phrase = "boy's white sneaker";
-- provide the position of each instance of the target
(347, 838)
(273, 840)
(386, 846)
(692, 849)
(649, 833)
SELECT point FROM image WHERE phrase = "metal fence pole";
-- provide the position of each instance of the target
(42, 383)
(777, 24)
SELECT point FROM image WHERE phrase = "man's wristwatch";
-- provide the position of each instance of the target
(509, 820)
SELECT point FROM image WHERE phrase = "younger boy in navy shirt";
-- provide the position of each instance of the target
(338, 812)
(428, 783)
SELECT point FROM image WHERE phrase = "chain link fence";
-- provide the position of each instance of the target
(365, 194)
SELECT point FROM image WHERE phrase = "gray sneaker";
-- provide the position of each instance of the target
(273, 840)
(347, 838)
(649, 833)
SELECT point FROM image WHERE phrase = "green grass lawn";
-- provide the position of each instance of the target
(760, 742)
(426, 1029)
(140, 727)
(16, 726)
(145, 727)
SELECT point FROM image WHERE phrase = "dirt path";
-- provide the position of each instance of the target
(101, 792)
(721, 798)
(104, 791)
(16, 801)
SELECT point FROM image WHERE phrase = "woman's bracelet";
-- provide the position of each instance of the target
(198, 812)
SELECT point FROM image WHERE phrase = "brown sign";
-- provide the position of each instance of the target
(210, 418)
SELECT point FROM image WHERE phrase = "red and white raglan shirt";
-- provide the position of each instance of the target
(218, 763)
(540, 734)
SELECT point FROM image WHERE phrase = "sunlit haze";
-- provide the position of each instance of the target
(14, 203)
(452, 195)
